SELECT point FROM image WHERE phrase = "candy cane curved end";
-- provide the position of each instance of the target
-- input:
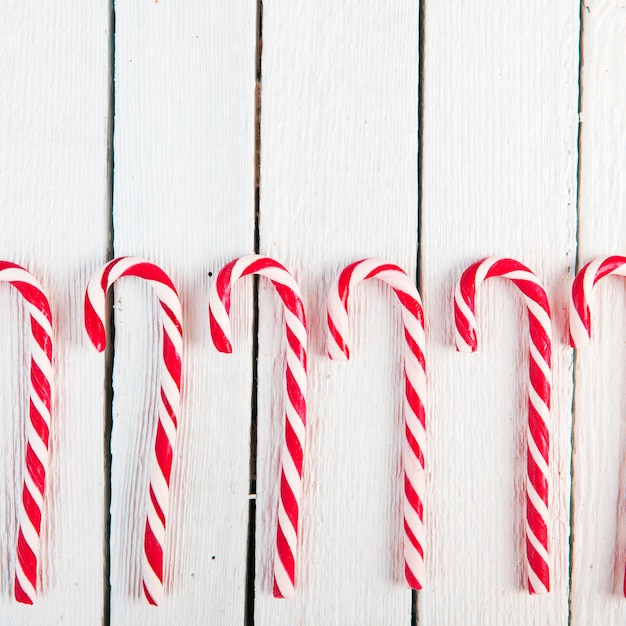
(292, 455)
(580, 314)
(582, 288)
(169, 400)
(37, 429)
(415, 391)
(539, 391)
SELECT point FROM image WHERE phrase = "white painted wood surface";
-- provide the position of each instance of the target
(339, 181)
(185, 82)
(499, 178)
(599, 514)
(54, 71)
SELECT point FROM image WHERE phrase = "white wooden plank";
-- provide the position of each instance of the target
(54, 215)
(599, 521)
(338, 183)
(499, 178)
(184, 198)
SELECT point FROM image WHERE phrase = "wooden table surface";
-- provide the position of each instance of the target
(317, 132)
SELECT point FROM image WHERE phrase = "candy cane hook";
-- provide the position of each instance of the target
(37, 429)
(414, 397)
(579, 313)
(295, 396)
(171, 322)
(540, 380)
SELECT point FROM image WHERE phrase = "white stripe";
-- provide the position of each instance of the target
(151, 581)
(541, 315)
(534, 581)
(288, 530)
(537, 357)
(543, 553)
(537, 456)
(283, 582)
(29, 590)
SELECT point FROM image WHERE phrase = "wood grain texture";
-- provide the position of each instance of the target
(184, 198)
(54, 212)
(499, 178)
(338, 183)
(599, 516)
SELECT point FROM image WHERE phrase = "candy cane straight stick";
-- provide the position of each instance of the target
(579, 313)
(414, 397)
(37, 430)
(538, 438)
(171, 321)
(295, 396)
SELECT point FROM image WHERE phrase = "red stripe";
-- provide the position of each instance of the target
(505, 266)
(538, 566)
(33, 512)
(412, 497)
(155, 504)
(40, 384)
(286, 557)
(149, 598)
(539, 432)
(39, 425)
(294, 446)
(163, 452)
(536, 523)
(43, 339)
(260, 264)
(168, 408)
(27, 559)
(35, 469)
(172, 359)
(153, 552)
(337, 337)
(149, 271)
(580, 302)
(296, 347)
(173, 318)
(20, 595)
(413, 539)
(411, 304)
(290, 504)
(35, 297)
(343, 283)
(94, 326)
(608, 266)
(217, 335)
(414, 348)
(296, 397)
(410, 578)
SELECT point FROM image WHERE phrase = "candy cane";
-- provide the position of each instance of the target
(538, 437)
(414, 397)
(579, 313)
(295, 396)
(158, 502)
(37, 429)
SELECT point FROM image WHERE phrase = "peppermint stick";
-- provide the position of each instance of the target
(164, 447)
(295, 396)
(579, 313)
(538, 437)
(414, 395)
(37, 429)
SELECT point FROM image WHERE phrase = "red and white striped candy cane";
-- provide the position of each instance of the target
(579, 313)
(295, 396)
(414, 397)
(171, 322)
(37, 430)
(540, 380)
